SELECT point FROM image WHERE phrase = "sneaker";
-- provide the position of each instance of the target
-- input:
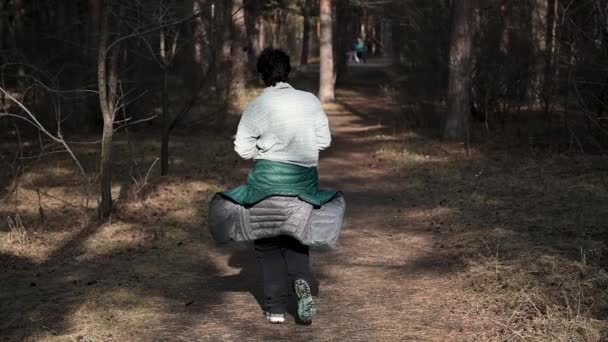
(275, 318)
(306, 306)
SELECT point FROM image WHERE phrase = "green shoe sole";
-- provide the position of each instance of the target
(306, 305)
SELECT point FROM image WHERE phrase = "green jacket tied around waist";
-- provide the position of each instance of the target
(270, 178)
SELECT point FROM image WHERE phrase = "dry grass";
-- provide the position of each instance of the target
(17, 233)
(530, 233)
(540, 297)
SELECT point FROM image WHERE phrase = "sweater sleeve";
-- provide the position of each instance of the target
(322, 131)
(247, 135)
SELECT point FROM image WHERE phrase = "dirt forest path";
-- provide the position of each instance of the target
(386, 281)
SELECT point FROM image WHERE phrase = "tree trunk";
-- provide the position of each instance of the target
(459, 83)
(95, 7)
(504, 43)
(164, 151)
(17, 20)
(346, 26)
(201, 36)
(105, 79)
(106, 169)
(326, 79)
(274, 27)
(550, 65)
(540, 13)
(252, 21)
(223, 61)
(306, 32)
(239, 39)
(261, 28)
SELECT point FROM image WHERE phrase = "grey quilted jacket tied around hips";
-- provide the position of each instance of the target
(316, 227)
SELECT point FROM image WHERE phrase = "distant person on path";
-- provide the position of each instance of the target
(370, 47)
(352, 56)
(283, 130)
(360, 50)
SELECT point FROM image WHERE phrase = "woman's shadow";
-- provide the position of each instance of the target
(249, 279)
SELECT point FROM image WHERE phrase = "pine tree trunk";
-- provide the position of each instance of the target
(540, 14)
(164, 150)
(347, 24)
(275, 29)
(95, 7)
(306, 32)
(261, 28)
(105, 100)
(459, 84)
(237, 53)
(550, 65)
(326, 79)
(223, 42)
(201, 36)
(253, 16)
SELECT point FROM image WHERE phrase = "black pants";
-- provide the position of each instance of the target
(282, 260)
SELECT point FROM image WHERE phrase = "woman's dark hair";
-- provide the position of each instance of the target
(274, 66)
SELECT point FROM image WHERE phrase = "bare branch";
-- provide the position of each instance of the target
(152, 30)
(134, 122)
(32, 120)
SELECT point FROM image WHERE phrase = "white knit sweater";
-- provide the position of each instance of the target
(283, 124)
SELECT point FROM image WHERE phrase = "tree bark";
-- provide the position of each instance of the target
(540, 14)
(105, 79)
(274, 28)
(261, 28)
(347, 25)
(306, 32)
(326, 79)
(456, 123)
(223, 61)
(253, 16)
(548, 88)
(95, 7)
(237, 53)
(201, 36)
(164, 151)
(106, 170)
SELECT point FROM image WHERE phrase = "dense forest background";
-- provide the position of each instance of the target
(532, 72)
(105, 104)
(537, 67)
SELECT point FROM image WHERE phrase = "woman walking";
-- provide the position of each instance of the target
(283, 130)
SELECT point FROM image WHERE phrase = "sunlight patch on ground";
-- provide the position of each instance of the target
(114, 237)
(424, 214)
(38, 248)
(49, 173)
(412, 148)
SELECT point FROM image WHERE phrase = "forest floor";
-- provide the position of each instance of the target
(437, 246)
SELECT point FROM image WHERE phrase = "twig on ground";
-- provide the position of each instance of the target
(517, 333)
